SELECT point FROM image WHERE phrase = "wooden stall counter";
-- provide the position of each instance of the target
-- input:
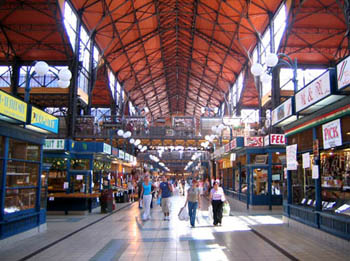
(78, 203)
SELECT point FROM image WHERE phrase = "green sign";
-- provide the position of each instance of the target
(54, 144)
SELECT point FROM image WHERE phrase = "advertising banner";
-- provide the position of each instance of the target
(331, 132)
(313, 92)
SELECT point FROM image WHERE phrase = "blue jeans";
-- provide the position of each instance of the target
(192, 208)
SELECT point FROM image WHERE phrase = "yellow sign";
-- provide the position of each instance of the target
(12, 107)
(44, 120)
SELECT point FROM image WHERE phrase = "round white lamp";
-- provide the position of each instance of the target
(256, 69)
(271, 59)
(41, 68)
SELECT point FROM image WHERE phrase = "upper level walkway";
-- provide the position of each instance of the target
(122, 235)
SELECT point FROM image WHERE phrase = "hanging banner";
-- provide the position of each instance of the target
(313, 92)
(291, 152)
(331, 132)
(343, 73)
(306, 160)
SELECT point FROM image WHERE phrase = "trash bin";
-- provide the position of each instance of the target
(106, 201)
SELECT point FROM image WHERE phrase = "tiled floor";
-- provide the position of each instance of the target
(124, 236)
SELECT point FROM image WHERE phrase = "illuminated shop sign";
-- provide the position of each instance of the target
(331, 134)
(43, 120)
(12, 107)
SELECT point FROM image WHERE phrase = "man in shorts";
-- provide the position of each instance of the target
(165, 190)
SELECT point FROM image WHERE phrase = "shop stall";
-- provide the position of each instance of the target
(22, 174)
(257, 172)
(78, 173)
(318, 191)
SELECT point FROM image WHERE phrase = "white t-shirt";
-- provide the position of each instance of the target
(218, 194)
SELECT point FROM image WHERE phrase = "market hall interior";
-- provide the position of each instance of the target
(97, 97)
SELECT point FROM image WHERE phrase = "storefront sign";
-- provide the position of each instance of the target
(115, 152)
(65, 185)
(331, 134)
(277, 139)
(343, 73)
(127, 156)
(313, 92)
(107, 148)
(282, 112)
(12, 107)
(267, 140)
(121, 154)
(233, 156)
(54, 144)
(306, 160)
(291, 152)
(254, 142)
(44, 120)
(80, 177)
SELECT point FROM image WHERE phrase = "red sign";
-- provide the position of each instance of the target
(254, 141)
(277, 139)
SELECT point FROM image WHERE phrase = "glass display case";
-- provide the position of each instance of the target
(19, 199)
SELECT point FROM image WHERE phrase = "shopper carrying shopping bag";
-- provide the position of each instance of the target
(193, 200)
(217, 198)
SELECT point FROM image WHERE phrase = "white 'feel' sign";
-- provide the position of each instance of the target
(331, 132)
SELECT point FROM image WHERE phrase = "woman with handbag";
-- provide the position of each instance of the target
(217, 198)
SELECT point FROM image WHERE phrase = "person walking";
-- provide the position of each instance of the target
(130, 189)
(165, 190)
(193, 200)
(146, 193)
(217, 197)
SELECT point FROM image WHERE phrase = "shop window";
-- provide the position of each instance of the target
(244, 186)
(80, 164)
(57, 174)
(19, 199)
(260, 181)
(303, 186)
(20, 174)
(237, 180)
(335, 180)
(277, 180)
(23, 150)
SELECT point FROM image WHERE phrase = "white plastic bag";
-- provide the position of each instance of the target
(226, 209)
(210, 212)
(183, 214)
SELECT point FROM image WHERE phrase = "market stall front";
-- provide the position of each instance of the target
(257, 172)
(77, 174)
(22, 135)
